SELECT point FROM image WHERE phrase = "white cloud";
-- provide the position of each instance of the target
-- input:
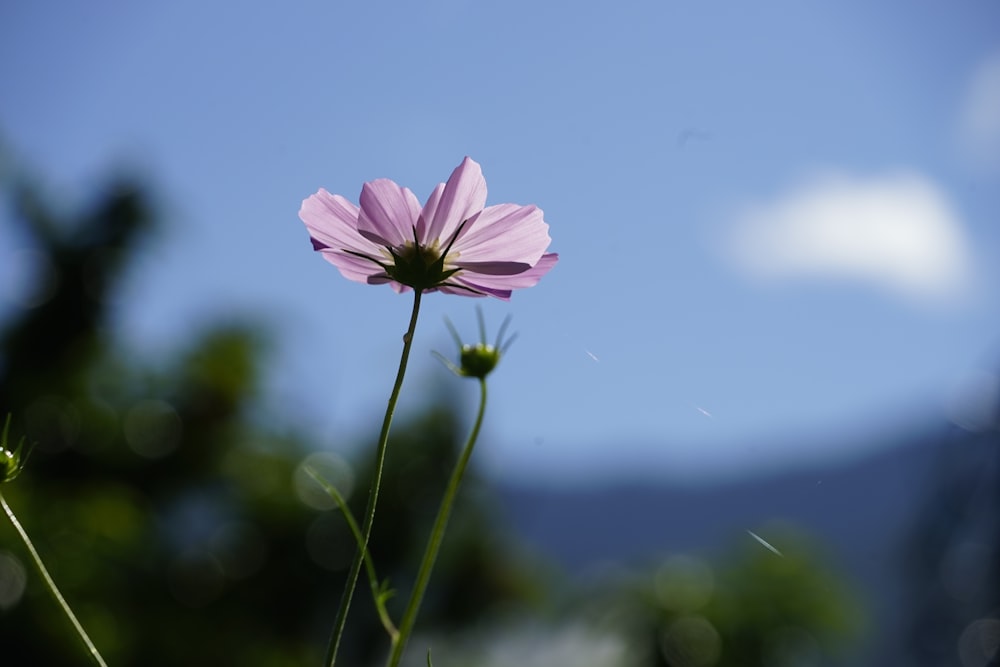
(897, 232)
(979, 116)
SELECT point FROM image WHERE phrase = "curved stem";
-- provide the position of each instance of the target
(437, 535)
(378, 594)
(94, 653)
(359, 556)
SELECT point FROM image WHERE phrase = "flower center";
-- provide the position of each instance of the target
(420, 267)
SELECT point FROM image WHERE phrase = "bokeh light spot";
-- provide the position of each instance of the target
(53, 422)
(152, 428)
(684, 583)
(691, 641)
(979, 643)
(13, 580)
(792, 647)
(331, 468)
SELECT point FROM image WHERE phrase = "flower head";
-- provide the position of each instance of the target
(453, 244)
(478, 360)
(12, 460)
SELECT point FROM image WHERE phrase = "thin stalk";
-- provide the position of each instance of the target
(379, 595)
(359, 556)
(437, 536)
(91, 649)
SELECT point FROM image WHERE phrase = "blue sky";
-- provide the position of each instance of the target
(778, 222)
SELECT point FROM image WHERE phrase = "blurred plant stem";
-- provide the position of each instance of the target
(359, 556)
(94, 653)
(437, 535)
(379, 593)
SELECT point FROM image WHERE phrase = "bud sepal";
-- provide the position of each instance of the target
(477, 360)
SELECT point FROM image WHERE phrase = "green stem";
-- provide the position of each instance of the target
(379, 595)
(94, 653)
(437, 536)
(359, 556)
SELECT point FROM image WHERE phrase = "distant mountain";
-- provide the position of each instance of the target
(865, 511)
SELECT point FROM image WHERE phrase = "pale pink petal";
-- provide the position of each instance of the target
(494, 268)
(332, 222)
(528, 278)
(388, 213)
(462, 197)
(504, 233)
(471, 290)
(352, 267)
(531, 277)
(427, 214)
(383, 279)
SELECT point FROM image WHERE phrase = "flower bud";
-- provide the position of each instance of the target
(478, 360)
(12, 459)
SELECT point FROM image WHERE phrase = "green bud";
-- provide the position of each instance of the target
(12, 460)
(478, 360)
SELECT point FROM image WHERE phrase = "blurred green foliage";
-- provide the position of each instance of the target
(757, 607)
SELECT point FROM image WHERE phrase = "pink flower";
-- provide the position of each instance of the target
(453, 244)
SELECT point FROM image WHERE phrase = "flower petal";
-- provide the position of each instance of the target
(353, 267)
(383, 279)
(459, 199)
(504, 233)
(388, 213)
(332, 222)
(498, 283)
(494, 268)
(427, 214)
(475, 291)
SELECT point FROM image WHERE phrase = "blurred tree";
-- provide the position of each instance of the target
(761, 608)
(171, 517)
(51, 345)
(755, 609)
